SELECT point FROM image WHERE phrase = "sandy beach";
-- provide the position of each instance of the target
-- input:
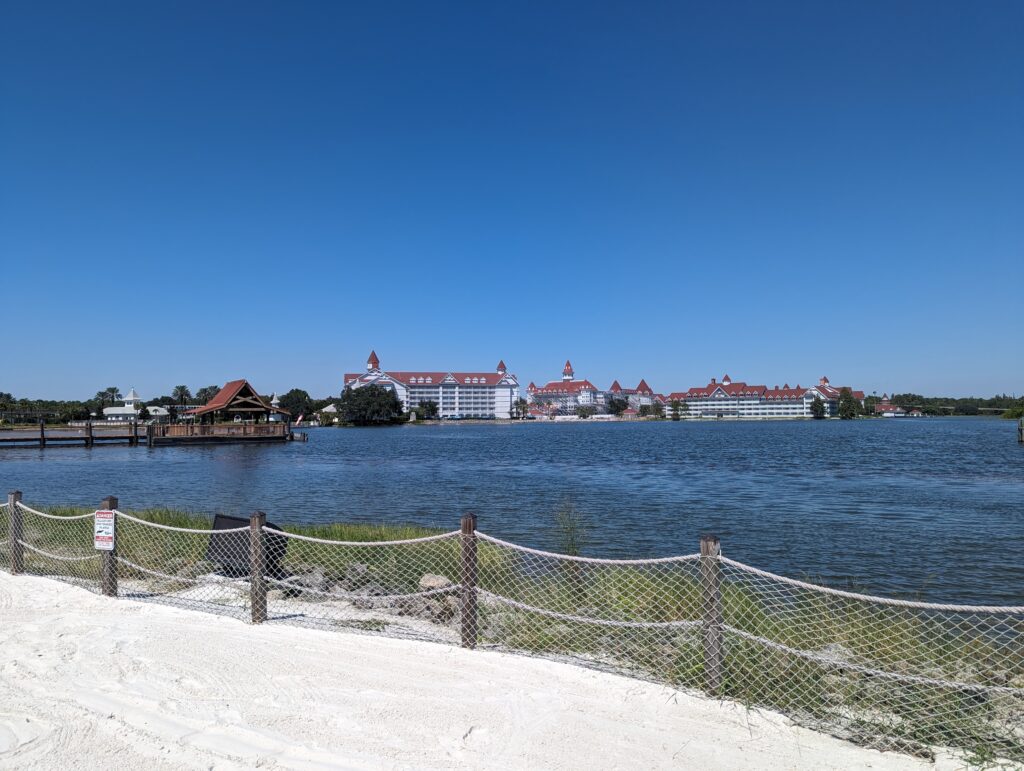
(90, 682)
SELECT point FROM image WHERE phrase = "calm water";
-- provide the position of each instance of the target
(930, 508)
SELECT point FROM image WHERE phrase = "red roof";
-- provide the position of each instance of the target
(567, 370)
(643, 388)
(373, 361)
(630, 411)
(566, 387)
(616, 388)
(433, 378)
(762, 392)
(226, 395)
(501, 366)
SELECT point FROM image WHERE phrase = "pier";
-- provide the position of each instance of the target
(91, 434)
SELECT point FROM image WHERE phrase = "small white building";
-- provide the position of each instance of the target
(131, 408)
(275, 401)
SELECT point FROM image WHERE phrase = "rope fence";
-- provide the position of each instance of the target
(884, 672)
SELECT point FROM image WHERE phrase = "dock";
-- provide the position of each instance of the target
(130, 433)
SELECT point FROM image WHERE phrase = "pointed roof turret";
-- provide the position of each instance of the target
(532, 386)
(726, 380)
(567, 372)
(823, 381)
(132, 396)
(373, 362)
(616, 388)
(643, 388)
(501, 367)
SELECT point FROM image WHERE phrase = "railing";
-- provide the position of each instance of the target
(881, 671)
(220, 429)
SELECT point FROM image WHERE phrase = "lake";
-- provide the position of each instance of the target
(929, 508)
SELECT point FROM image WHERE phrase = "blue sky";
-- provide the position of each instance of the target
(194, 192)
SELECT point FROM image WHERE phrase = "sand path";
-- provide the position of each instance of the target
(90, 682)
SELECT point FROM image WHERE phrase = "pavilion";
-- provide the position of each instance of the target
(236, 402)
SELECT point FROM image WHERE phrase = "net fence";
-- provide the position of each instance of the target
(887, 673)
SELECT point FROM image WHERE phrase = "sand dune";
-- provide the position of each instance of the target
(90, 682)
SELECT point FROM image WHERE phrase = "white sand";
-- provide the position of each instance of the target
(91, 682)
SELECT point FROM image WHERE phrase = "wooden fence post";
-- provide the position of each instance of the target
(711, 592)
(467, 599)
(108, 559)
(42, 433)
(257, 563)
(16, 534)
(88, 433)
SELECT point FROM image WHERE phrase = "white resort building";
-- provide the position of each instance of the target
(562, 397)
(727, 399)
(457, 394)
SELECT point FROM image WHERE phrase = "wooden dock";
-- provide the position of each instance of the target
(92, 434)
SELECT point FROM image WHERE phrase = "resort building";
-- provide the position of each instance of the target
(457, 394)
(728, 399)
(641, 396)
(563, 396)
(131, 409)
(887, 409)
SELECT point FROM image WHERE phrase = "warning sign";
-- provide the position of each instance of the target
(103, 530)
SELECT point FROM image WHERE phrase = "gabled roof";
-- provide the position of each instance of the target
(240, 395)
(566, 387)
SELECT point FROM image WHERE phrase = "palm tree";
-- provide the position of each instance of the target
(110, 394)
(521, 408)
(181, 394)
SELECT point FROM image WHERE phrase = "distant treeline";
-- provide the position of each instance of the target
(1008, 406)
(22, 410)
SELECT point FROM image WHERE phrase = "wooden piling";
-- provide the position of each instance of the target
(88, 433)
(257, 563)
(108, 559)
(711, 611)
(16, 534)
(42, 433)
(468, 579)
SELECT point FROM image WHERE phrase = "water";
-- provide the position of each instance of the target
(925, 508)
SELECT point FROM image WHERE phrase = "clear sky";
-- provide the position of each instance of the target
(194, 192)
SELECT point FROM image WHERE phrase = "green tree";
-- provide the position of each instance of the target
(674, 407)
(658, 409)
(848, 406)
(584, 411)
(143, 412)
(427, 410)
(616, 406)
(204, 394)
(181, 395)
(297, 402)
(370, 405)
(817, 408)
